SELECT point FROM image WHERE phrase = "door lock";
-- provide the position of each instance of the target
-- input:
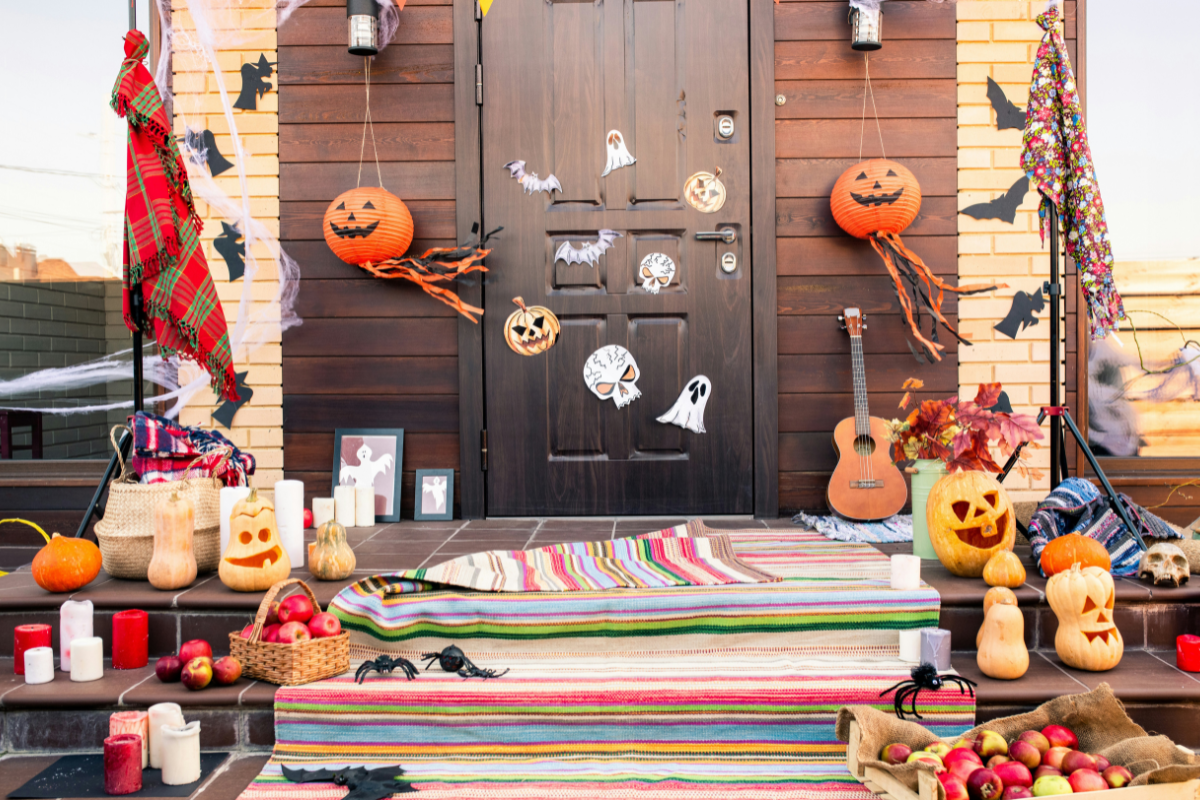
(726, 235)
(725, 126)
(728, 263)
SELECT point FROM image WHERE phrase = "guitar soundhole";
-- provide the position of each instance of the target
(864, 445)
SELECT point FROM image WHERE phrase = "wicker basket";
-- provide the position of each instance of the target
(289, 664)
(126, 532)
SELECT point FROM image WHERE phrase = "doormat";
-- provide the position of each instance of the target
(83, 776)
(897, 528)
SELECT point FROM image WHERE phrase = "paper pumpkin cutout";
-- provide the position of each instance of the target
(530, 180)
(618, 155)
(255, 559)
(254, 83)
(531, 330)
(656, 271)
(226, 411)
(705, 192)
(590, 253)
(688, 411)
(367, 225)
(612, 374)
(228, 247)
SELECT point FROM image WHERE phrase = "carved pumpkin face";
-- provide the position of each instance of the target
(876, 196)
(255, 559)
(970, 519)
(367, 225)
(1087, 636)
(531, 330)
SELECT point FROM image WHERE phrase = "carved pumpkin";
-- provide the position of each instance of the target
(367, 225)
(65, 563)
(1004, 569)
(970, 520)
(876, 196)
(255, 559)
(332, 558)
(173, 565)
(1059, 554)
(1087, 636)
(531, 329)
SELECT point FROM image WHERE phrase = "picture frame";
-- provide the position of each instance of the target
(375, 455)
(434, 490)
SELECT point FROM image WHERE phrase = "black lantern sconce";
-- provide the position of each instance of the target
(362, 17)
(866, 28)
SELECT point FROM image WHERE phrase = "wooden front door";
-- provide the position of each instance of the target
(558, 77)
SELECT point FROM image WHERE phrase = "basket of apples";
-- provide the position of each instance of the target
(291, 642)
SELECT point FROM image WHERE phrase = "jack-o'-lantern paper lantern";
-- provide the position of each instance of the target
(368, 225)
(531, 329)
(255, 559)
(1087, 636)
(970, 519)
(876, 200)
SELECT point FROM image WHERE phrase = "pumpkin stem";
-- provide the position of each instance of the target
(33, 525)
(521, 302)
(253, 494)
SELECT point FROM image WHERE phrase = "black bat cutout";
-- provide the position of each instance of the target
(231, 250)
(254, 83)
(364, 784)
(1007, 114)
(205, 144)
(225, 411)
(1021, 314)
(1003, 207)
(1003, 405)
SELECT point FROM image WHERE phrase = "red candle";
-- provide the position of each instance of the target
(27, 637)
(123, 764)
(131, 639)
(1187, 653)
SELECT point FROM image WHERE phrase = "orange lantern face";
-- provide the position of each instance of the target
(368, 225)
(876, 196)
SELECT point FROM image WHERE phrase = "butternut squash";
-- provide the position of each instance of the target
(1002, 652)
(332, 558)
(173, 565)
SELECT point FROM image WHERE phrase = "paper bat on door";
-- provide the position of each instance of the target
(1003, 207)
(588, 254)
(364, 784)
(1021, 315)
(530, 180)
(1007, 114)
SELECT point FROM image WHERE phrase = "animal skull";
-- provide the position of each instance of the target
(656, 271)
(1165, 565)
(611, 372)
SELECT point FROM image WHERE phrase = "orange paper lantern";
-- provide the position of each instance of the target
(876, 196)
(367, 225)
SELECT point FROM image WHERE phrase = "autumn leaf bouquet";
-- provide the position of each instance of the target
(959, 432)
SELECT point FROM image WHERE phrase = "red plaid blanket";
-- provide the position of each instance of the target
(162, 232)
(163, 450)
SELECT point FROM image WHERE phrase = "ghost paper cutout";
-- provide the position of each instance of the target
(612, 373)
(618, 155)
(435, 487)
(590, 253)
(688, 411)
(656, 271)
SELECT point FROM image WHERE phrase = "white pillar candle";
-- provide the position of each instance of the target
(906, 572)
(230, 495)
(39, 665)
(168, 714)
(180, 748)
(910, 646)
(343, 502)
(75, 622)
(364, 506)
(87, 659)
(132, 722)
(322, 511)
(289, 516)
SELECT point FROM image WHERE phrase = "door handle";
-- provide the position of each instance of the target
(726, 235)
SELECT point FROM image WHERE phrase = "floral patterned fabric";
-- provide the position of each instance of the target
(1056, 156)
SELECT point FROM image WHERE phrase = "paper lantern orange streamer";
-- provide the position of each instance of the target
(876, 200)
(367, 224)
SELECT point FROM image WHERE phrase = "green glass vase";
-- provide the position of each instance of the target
(929, 471)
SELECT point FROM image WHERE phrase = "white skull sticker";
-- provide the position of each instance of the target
(611, 372)
(688, 411)
(656, 271)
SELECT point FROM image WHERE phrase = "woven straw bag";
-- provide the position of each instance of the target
(126, 532)
(289, 664)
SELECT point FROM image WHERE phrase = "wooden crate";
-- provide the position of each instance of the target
(883, 784)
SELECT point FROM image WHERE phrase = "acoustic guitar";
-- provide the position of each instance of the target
(866, 485)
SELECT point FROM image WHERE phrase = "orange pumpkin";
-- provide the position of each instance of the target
(64, 564)
(876, 196)
(970, 519)
(1061, 553)
(367, 225)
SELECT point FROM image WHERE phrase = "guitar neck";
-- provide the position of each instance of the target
(862, 415)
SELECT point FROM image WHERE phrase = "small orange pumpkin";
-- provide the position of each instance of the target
(1004, 569)
(1059, 554)
(64, 564)
(367, 225)
(876, 196)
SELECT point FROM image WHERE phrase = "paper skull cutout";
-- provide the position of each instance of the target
(611, 372)
(618, 155)
(656, 271)
(1165, 565)
(688, 411)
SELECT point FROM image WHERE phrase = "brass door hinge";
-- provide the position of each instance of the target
(479, 84)
(483, 455)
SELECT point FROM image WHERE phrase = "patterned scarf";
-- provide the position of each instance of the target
(164, 450)
(162, 232)
(1056, 156)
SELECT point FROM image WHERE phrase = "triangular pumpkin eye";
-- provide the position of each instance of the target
(961, 509)
(369, 205)
(351, 217)
(341, 206)
(539, 323)
(1088, 605)
(992, 498)
(891, 174)
(862, 176)
(519, 330)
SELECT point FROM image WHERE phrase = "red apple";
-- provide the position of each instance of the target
(295, 608)
(956, 788)
(892, 754)
(964, 768)
(1037, 740)
(272, 615)
(1014, 773)
(1058, 736)
(246, 631)
(925, 758)
(271, 633)
(197, 673)
(1117, 776)
(1076, 760)
(1016, 793)
(960, 753)
(1054, 757)
(293, 632)
(324, 625)
(1087, 780)
(1044, 770)
(994, 760)
(984, 784)
(941, 748)
(1102, 763)
(227, 670)
(168, 669)
(195, 648)
(1025, 752)
(308, 518)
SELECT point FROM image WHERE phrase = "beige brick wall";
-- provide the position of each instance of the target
(999, 39)
(258, 425)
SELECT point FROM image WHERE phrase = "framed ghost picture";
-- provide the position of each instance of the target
(371, 457)
(435, 494)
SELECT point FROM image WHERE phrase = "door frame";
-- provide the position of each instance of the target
(468, 196)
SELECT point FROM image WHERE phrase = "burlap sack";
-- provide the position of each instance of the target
(1097, 718)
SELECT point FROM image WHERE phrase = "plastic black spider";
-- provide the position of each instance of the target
(454, 660)
(924, 676)
(385, 664)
